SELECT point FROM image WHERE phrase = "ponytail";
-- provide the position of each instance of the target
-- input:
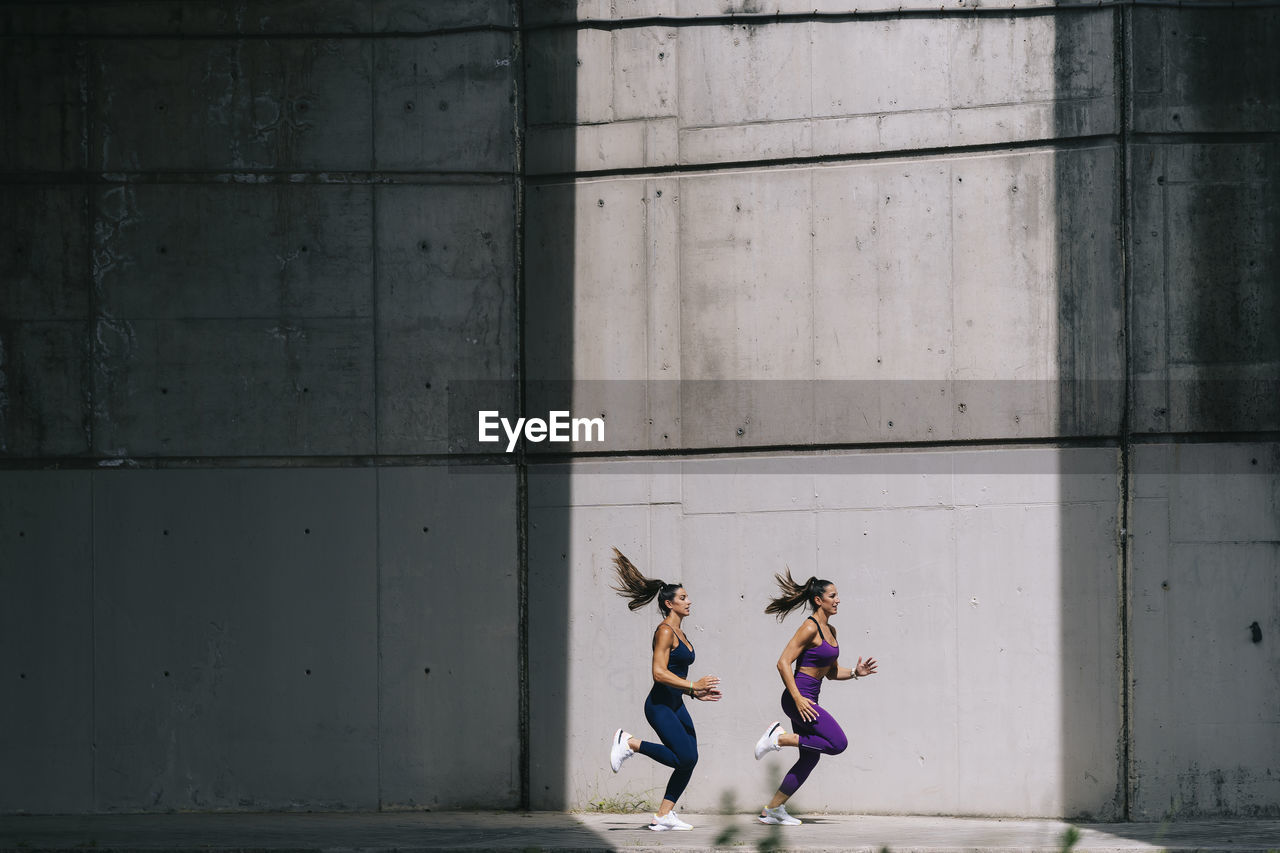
(795, 594)
(638, 589)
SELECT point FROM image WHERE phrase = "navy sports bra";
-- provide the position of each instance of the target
(678, 665)
(680, 658)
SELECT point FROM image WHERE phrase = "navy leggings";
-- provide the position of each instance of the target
(679, 748)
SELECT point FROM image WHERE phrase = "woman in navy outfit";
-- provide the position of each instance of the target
(664, 707)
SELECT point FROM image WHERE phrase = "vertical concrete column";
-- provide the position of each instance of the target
(1205, 364)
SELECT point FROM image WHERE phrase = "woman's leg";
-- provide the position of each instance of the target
(687, 754)
(822, 736)
(805, 762)
(678, 750)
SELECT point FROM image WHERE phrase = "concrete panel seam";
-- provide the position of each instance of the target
(93, 651)
(229, 35)
(1124, 73)
(1047, 144)
(820, 448)
(1010, 11)
(519, 120)
(1177, 541)
(757, 18)
(805, 120)
(1264, 436)
(376, 177)
(1204, 137)
(377, 479)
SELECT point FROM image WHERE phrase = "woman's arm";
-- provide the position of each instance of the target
(800, 641)
(840, 673)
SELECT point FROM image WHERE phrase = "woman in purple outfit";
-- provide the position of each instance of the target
(813, 651)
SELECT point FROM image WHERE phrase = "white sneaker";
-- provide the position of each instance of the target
(769, 740)
(778, 815)
(618, 749)
(667, 822)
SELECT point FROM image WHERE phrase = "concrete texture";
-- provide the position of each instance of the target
(201, 266)
(233, 219)
(1195, 71)
(556, 831)
(265, 588)
(223, 104)
(236, 639)
(449, 728)
(271, 254)
(445, 103)
(948, 567)
(545, 12)
(1207, 347)
(46, 641)
(254, 17)
(1206, 521)
(446, 313)
(43, 99)
(701, 94)
(916, 300)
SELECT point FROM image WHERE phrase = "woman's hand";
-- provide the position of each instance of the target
(708, 694)
(807, 710)
(707, 688)
(864, 669)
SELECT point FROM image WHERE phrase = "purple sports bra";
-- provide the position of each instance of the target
(821, 656)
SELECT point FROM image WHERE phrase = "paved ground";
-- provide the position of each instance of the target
(552, 831)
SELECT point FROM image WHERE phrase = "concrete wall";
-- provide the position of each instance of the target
(245, 249)
(798, 288)
(247, 638)
(1205, 358)
(940, 559)
(976, 313)
(1205, 569)
(828, 230)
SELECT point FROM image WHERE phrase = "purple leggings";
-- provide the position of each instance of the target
(822, 736)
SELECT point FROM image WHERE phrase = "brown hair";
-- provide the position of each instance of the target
(638, 589)
(795, 594)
